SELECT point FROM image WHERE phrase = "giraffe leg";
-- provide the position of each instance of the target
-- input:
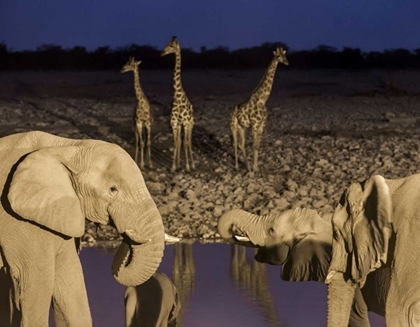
(234, 130)
(187, 165)
(175, 131)
(186, 148)
(242, 144)
(178, 154)
(149, 146)
(189, 145)
(136, 133)
(256, 137)
(141, 146)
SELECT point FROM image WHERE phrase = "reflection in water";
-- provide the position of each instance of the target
(154, 303)
(183, 274)
(251, 278)
(210, 294)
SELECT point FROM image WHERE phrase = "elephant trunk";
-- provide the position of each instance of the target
(340, 300)
(244, 223)
(141, 250)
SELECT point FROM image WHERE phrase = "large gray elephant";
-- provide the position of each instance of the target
(367, 252)
(155, 303)
(49, 186)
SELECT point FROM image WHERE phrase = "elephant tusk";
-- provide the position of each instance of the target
(132, 234)
(242, 238)
(171, 239)
(330, 276)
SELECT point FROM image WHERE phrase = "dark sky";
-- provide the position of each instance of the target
(367, 24)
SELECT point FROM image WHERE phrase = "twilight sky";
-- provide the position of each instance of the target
(301, 24)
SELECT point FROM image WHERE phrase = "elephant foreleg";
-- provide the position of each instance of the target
(69, 299)
(9, 314)
(32, 291)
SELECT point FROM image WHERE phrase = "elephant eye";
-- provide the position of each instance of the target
(271, 231)
(113, 190)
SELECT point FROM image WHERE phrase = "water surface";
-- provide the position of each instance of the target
(220, 285)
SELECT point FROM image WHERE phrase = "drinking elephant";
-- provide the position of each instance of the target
(49, 186)
(155, 303)
(367, 251)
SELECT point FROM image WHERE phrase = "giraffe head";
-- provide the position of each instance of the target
(280, 55)
(131, 65)
(171, 47)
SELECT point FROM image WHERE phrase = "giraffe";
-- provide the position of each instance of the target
(142, 117)
(182, 116)
(253, 112)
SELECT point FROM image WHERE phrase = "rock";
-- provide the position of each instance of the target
(238, 190)
(281, 203)
(190, 194)
(299, 204)
(252, 187)
(289, 195)
(164, 210)
(389, 115)
(203, 229)
(270, 205)
(155, 188)
(291, 185)
(208, 205)
(303, 192)
(173, 196)
(286, 168)
(250, 201)
(264, 211)
(228, 177)
(184, 209)
(322, 163)
(196, 216)
(218, 211)
(318, 204)
(88, 238)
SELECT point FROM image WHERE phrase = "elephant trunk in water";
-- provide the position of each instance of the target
(141, 250)
(243, 222)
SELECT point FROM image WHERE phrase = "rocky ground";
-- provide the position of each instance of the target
(325, 130)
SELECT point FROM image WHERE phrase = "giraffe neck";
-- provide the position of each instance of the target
(263, 89)
(137, 88)
(177, 73)
(141, 98)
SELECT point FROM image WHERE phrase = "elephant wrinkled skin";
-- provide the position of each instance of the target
(49, 186)
(367, 251)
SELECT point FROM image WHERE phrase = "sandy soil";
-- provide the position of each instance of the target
(325, 130)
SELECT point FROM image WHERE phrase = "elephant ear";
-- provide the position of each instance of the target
(41, 190)
(362, 227)
(308, 261)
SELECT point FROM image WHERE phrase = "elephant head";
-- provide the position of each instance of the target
(57, 187)
(340, 250)
(299, 240)
(362, 230)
